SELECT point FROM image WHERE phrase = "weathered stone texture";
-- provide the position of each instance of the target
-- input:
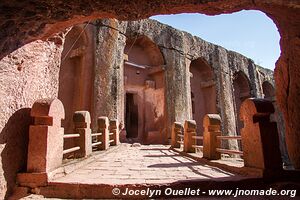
(238, 62)
(27, 74)
(23, 22)
(225, 94)
(266, 75)
(179, 48)
(261, 133)
(40, 69)
(40, 19)
(108, 84)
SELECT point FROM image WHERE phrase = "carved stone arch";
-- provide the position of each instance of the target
(75, 76)
(241, 91)
(203, 87)
(151, 54)
(145, 107)
(268, 90)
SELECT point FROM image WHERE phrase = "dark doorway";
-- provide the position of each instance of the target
(131, 116)
(144, 78)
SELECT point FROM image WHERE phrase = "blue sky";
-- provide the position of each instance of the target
(250, 33)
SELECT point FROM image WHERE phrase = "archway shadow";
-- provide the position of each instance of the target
(14, 136)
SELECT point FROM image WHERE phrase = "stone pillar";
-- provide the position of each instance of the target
(103, 124)
(225, 95)
(189, 132)
(177, 87)
(45, 147)
(282, 137)
(114, 129)
(109, 71)
(176, 129)
(82, 126)
(188, 90)
(254, 80)
(259, 135)
(212, 129)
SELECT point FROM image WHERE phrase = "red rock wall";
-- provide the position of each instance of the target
(27, 74)
(76, 73)
(149, 89)
(108, 81)
(40, 19)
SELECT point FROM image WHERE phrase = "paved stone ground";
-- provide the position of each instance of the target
(147, 164)
(151, 164)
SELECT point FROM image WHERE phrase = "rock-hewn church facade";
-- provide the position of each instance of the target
(143, 73)
(148, 75)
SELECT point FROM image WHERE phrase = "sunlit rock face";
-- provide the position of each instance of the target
(40, 19)
(28, 74)
(143, 73)
(171, 75)
(37, 76)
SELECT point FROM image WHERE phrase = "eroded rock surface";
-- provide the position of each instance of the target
(28, 74)
(24, 21)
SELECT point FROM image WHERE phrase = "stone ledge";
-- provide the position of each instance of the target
(32, 180)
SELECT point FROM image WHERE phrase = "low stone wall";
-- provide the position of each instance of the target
(32, 72)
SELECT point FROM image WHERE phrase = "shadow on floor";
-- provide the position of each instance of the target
(192, 164)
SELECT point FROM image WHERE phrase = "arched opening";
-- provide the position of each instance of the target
(75, 76)
(242, 91)
(203, 91)
(268, 90)
(145, 91)
(249, 32)
(44, 23)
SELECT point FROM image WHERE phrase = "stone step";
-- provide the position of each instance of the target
(106, 191)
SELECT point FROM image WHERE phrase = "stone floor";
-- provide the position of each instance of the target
(141, 167)
(145, 164)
